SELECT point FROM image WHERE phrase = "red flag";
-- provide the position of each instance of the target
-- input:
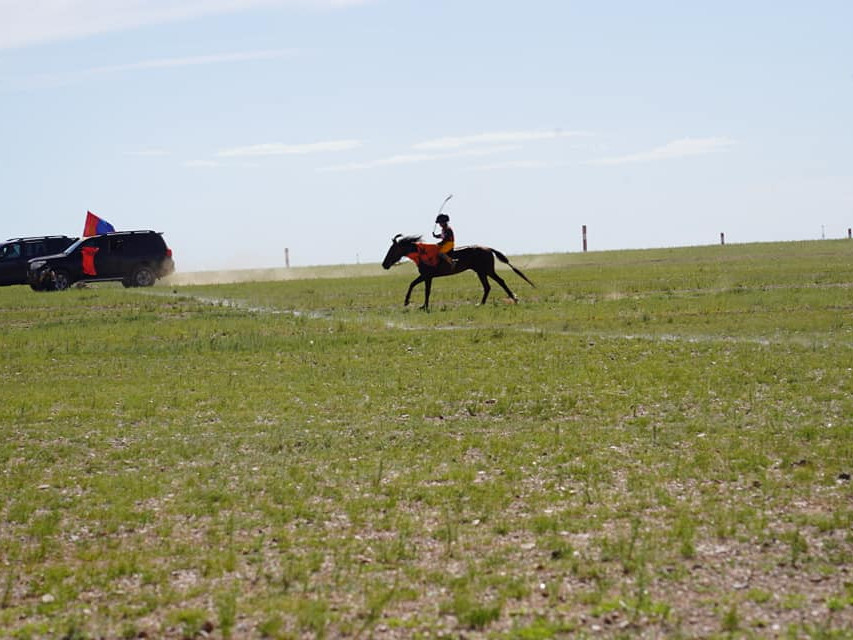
(88, 254)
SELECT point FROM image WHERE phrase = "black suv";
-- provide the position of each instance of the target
(15, 255)
(137, 258)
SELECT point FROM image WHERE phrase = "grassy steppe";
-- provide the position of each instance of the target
(652, 443)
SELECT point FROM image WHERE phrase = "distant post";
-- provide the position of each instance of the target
(583, 229)
(723, 239)
(849, 233)
(287, 257)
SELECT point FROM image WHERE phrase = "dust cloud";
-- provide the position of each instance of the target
(230, 276)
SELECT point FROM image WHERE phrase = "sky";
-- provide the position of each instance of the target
(241, 128)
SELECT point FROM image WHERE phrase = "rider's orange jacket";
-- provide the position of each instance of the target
(446, 242)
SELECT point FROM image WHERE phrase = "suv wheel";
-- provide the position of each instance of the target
(142, 276)
(60, 280)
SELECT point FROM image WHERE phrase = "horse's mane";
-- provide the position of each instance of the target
(407, 239)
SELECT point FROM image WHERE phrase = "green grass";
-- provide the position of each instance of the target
(655, 442)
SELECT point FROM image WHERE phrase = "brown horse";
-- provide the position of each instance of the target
(479, 259)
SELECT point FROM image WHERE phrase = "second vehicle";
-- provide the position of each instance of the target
(16, 253)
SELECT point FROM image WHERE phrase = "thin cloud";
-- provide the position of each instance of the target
(513, 164)
(683, 148)
(278, 149)
(411, 158)
(216, 164)
(496, 137)
(201, 164)
(191, 61)
(415, 158)
(30, 22)
(43, 81)
(148, 153)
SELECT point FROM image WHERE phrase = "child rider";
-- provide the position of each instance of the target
(445, 238)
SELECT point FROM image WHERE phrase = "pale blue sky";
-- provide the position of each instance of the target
(241, 127)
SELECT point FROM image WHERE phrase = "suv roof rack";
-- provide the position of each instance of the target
(36, 238)
(125, 233)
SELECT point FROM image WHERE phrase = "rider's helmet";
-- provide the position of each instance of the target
(442, 218)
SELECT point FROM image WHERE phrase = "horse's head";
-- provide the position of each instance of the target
(401, 246)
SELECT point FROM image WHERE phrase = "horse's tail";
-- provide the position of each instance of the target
(506, 261)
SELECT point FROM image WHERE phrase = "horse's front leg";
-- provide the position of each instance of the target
(416, 281)
(427, 289)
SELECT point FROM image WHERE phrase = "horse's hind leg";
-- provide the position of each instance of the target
(501, 282)
(486, 286)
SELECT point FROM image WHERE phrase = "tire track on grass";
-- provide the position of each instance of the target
(242, 305)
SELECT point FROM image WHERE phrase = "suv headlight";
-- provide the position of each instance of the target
(38, 264)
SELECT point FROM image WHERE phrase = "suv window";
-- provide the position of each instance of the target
(149, 243)
(118, 244)
(10, 251)
(34, 249)
(98, 242)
